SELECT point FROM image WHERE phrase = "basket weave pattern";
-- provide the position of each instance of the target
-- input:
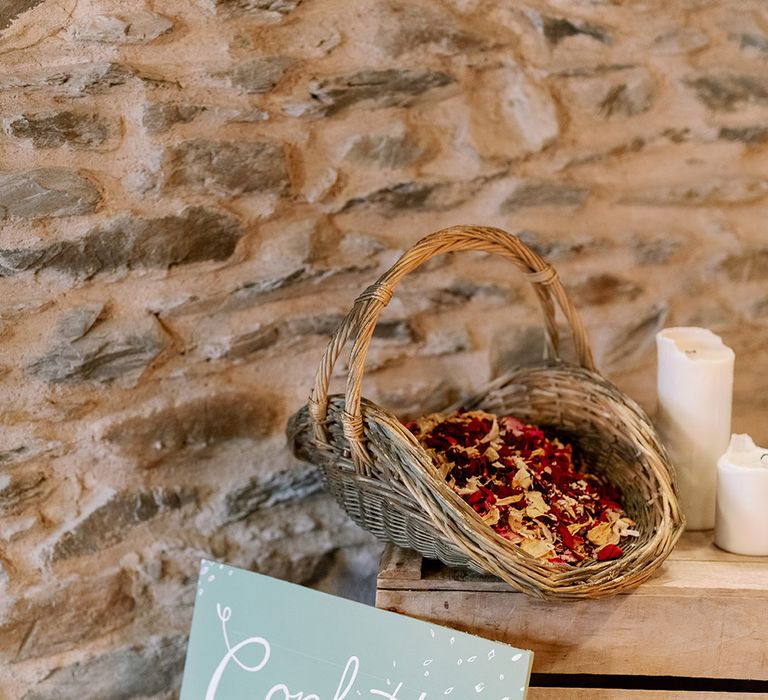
(388, 484)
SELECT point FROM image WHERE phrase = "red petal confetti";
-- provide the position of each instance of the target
(610, 551)
(526, 486)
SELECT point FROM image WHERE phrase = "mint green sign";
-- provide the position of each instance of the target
(257, 638)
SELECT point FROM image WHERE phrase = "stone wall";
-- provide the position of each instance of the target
(193, 192)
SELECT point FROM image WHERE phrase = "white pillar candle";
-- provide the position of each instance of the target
(695, 390)
(742, 498)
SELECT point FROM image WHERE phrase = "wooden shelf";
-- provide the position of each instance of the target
(703, 615)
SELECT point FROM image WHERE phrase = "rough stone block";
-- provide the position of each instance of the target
(195, 235)
(242, 345)
(417, 196)
(739, 189)
(228, 166)
(109, 523)
(404, 27)
(636, 338)
(74, 611)
(386, 151)
(124, 673)
(260, 75)
(376, 88)
(45, 192)
(545, 194)
(745, 134)
(77, 322)
(516, 346)
(79, 129)
(159, 117)
(21, 489)
(511, 114)
(603, 288)
(556, 29)
(624, 92)
(750, 266)
(132, 28)
(726, 92)
(111, 352)
(282, 7)
(197, 424)
(281, 487)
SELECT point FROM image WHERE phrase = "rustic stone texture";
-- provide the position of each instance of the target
(545, 194)
(386, 151)
(195, 235)
(621, 93)
(260, 75)
(111, 352)
(74, 611)
(58, 128)
(750, 266)
(243, 345)
(132, 28)
(682, 40)
(556, 29)
(655, 251)
(419, 395)
(516, 346)
(281, 487)
(745, 134)
(637, 337)
(71, 81)
(77, 322)
(230, 167)
(123, 674)
(108, 524)
(727, 92)
(734, 190)
(515, 116)
(406, 27)
(623, 142)
(749, 41)
(22, 489)
(244, 6)
(46, 192)
(159, 117)
(604, 288)
(11, 9)
(375, 88)
(559, 247)
(417, 196)
(194, 426)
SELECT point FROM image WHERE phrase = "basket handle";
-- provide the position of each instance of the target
(361, 321)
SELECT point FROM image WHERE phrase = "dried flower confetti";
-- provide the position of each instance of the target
(526, 486)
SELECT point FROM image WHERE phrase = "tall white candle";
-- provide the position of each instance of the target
(742, 498)
(695, 390)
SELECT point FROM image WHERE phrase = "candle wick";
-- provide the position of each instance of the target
(690, 352)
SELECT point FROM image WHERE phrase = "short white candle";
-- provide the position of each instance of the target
(742, 498)
(695, 390)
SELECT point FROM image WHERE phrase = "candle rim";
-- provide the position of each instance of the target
(707, 341)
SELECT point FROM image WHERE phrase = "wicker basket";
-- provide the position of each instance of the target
(388, 484)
